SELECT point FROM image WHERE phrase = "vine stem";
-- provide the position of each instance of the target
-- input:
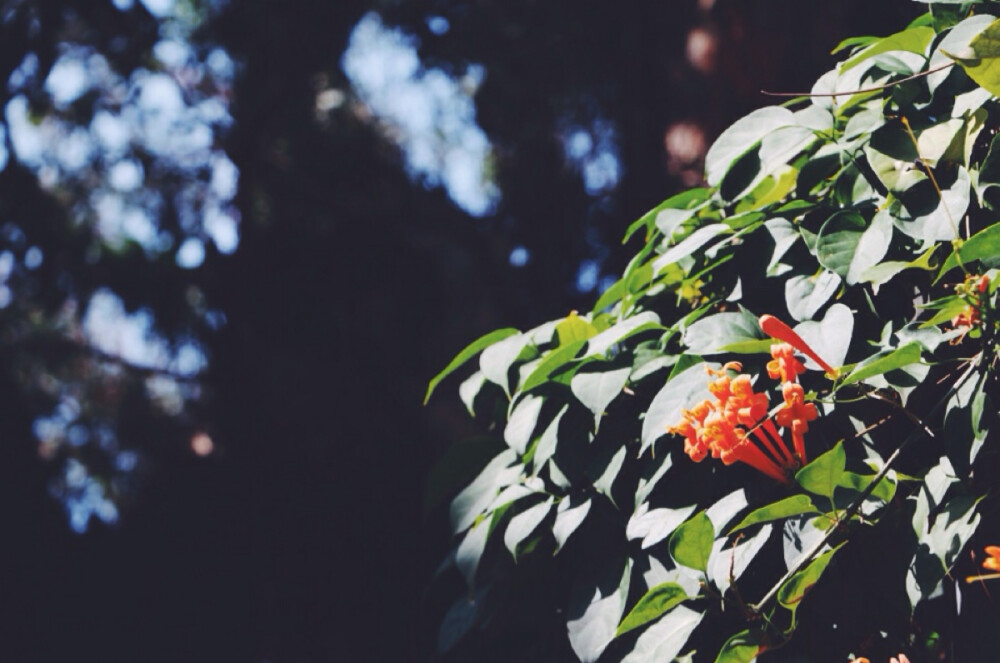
(856, 506)
(862, 90)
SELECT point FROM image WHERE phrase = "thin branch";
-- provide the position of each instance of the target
(856, 506)
(876, 88)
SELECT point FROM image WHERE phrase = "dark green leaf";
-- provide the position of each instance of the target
(468, 353)
(838, 241)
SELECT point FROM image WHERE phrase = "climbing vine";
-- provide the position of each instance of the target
(821, 318)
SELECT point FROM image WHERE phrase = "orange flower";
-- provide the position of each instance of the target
(727, 425)
(795, 415)
(775, 328)
(784, 365)
(992, 562)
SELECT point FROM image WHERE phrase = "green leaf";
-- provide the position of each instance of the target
(597, 602)
(838, 241)
(741, 137)
(934, 218)
(795, 588)
(913, 40)
(984, 244)
(523, 524)
(740, 648)
(885, 490)
(851, 42)
(804, 295)
(551, 361)
(790, 506)
(883, 272)
(983, 64)
(596, 390)
(474, 498)
(691, 543)
(884, 362)
(684, 201)
(664, 640)
(956, 41)
(689, 245)
(468, 353)
(522, 423)
(604, 483)
(497, 359)
(710, 334)
(872, 246)
(830, 337)
(568, 519)
(573, 328)
(654, 603)
(600, 344)
(681, 391)
(823, 475)
(654, 525)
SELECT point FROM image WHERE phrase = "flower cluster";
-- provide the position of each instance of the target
(972, 290)
(734, 425)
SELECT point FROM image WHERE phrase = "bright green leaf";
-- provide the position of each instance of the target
(790, 506)
(795, 588)
(740, 648)
(884, 362)
(914, 40)
(823, 475)
(983, 63)
(691, 543)
(654, 603)
(984, 244)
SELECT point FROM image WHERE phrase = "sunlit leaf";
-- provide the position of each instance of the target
(789, 506)
(468, 353)
(740, 648)
(805, 295)
(691, 543)
(681, 391)
(982, 64)
(822, 475)
(914, 40)
(884, 362)
(568, 519)
(740, 137)
(597, 602)
(523, 524)
(664, 640)
(795, 588)
(652, 605)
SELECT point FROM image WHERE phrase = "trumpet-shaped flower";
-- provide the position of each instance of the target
(784, 365)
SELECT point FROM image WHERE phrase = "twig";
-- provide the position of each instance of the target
(853, 509)
(862, 90)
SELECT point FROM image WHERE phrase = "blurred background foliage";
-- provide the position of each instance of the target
(238, 237)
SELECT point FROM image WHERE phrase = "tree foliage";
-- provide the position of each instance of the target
(861, 214)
